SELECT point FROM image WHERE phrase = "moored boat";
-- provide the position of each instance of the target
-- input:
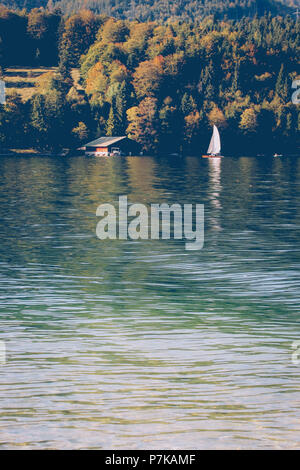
(214, 148)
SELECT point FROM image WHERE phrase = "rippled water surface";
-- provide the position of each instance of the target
(142, 344)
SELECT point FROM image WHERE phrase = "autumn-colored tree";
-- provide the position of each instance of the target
(216, 116)
(79, 33)
(137, 42)
(248, 121)
(147, 77)
(143, 124)
(97, 84)
(114, 31)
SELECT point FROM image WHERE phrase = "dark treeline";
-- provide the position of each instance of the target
(164, 84)
(30, 39)
(186, 10)
(164, 10)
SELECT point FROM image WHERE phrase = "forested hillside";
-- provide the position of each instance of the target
(162, 10)
(164, 85)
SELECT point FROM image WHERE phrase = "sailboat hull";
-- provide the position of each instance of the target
(212, 156)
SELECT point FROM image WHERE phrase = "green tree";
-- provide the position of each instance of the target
(113, 125)
(188, 104)
(281, 87)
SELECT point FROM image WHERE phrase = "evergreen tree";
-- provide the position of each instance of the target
(281, 87)
(113, 125)
(187, 104)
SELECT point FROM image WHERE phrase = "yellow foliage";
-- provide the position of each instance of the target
(45, 81)
(216, 116)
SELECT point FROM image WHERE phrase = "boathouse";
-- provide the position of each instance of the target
(110, 146)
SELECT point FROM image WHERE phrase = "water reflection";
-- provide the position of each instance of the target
(215, 190)
(143, 344)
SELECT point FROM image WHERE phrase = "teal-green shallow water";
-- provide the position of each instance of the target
(142, 344)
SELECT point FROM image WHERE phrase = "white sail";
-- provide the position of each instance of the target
(215, 143)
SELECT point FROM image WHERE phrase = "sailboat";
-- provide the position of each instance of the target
(214, 145)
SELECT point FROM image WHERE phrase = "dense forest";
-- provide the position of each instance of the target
(163, 84)
(187, 10)
(164, 10)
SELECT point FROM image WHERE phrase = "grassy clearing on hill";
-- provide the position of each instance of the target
(25, 80)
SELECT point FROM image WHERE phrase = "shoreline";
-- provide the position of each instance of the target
(68, 152)
(33, 152)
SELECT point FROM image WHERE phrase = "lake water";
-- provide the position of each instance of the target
(142, 344)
